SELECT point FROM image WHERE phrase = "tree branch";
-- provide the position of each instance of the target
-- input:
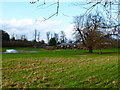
(57, 7)
(110, 26)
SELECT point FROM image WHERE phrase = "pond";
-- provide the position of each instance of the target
(14, 51)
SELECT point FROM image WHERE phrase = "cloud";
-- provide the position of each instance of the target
(69, 31)
(27, 27)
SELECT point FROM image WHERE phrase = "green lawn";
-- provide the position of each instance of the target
(60, 69)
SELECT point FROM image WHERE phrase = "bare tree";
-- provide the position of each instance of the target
(56, 36)
(63, 37)
(23, 38)
(48, 36)
(13, 38)
(51, 35)
(90, 32)
(38, 36)
(35, 35)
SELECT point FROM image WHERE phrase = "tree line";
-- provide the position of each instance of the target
(56, 38)
(21, 42)
(52, 39)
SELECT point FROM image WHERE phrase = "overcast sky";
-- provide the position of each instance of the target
(22, 18)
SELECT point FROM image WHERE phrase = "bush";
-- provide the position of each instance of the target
(50, 47)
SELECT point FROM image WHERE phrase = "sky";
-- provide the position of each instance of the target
(22, 18)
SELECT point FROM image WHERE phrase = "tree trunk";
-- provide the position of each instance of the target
(100, 52)
(90, 50)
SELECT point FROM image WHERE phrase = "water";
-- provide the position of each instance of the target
(11, 51)
(14, 51)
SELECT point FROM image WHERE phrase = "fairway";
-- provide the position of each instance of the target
(60, 69)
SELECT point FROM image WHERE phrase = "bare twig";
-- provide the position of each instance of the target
(110, 26)
(92, 7)
(47, 6)
(34, 1)
(41, 5)
(108, 13)
(56, 13)
(50, 16)
(82, 4)
(57, 7)
(44, 3)
(66, 15)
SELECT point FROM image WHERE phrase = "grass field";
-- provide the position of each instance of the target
(60, 69)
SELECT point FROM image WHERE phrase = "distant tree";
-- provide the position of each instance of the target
(58, 42)
(35, 35)
(51, 35)
(52, 42)
(23, 38)
(70, 41)
(42, 41)
(13, 38)
(38, 39)
(48, 36)
(56, 37)
(5, 36)
(63, 38)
